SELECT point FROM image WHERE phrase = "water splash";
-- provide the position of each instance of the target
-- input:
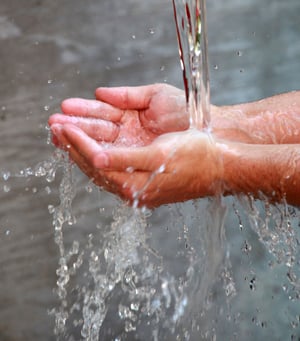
(118, 274)
(277, 229)
(123, 261)
(118, 269)
(124, 277)
(69, 260)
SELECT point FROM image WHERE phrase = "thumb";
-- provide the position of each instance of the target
(112, 158)
(128, 159)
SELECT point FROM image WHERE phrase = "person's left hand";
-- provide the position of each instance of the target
(174, 167)
(127, 115)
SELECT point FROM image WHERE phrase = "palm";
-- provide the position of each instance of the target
(161, 172)
(136, 117)
(127, 116)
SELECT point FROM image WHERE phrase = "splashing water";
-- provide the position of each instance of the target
(120, 285)
(119, 276)
(118, 273)
(123, 264)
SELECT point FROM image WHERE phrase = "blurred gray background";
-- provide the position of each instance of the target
(51, 50)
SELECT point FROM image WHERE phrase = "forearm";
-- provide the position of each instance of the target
(269, 170)
(268, 121)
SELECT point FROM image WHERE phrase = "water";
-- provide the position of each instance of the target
(261, 285)
(121, 265)
(126, 279)
(125, 262)
(190, 19)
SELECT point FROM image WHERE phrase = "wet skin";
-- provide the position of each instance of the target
(129, 135)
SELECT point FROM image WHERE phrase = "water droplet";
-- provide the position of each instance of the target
(151, 30)
(230, 289)
(239, 53)
(94, 257)
(252, 285)
(135, 306)
(135, 203)
(39, 171)
(246, 247)
(75, 247)
(6, 188)
(216, 67)
(123, 312)
(161, 169)
(133, 36)
(46, 107)
(129, 327)
(49, 81)
(130, 170)
(71, 220)
(89, 188)
(48, 189)
(28, 171)
(5, 175)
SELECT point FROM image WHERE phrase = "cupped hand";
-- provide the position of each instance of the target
(127, 115)
(137, 115)
(165, 171)
(133, 141)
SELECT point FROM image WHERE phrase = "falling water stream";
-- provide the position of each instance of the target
(190, 19)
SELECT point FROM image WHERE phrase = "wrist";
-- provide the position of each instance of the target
(263, 171)
(228, 156)
(231, 123)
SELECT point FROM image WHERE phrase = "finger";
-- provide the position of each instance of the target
(84, 144)
(113, 158)
(71, 136)
(140, 188)
(125, 184)
(130, 159)
(57, 136)
(138, 97)
(76, 156)
(91, 108)
(132, 186)
(97, 129)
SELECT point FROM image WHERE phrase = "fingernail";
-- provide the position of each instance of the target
(102, 161)
(56, 129)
